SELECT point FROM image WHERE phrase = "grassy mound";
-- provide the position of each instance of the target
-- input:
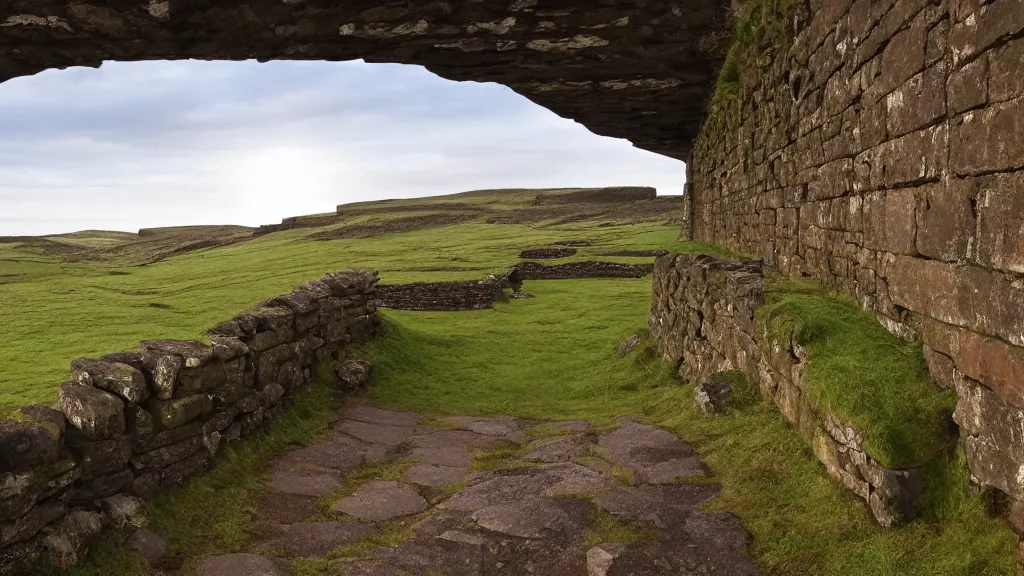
(865, 375)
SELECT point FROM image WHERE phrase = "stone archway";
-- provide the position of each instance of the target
(633, 69)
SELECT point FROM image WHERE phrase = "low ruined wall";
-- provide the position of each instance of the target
(589, 269)
(439, 296)
(140, 422)
(702, 319)
(547, 253)
(880, 152)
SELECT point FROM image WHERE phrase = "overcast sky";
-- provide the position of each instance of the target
(132, 145)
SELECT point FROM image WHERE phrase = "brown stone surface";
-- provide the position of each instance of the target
(654, 455)
(317, 538)
(374, 433)
(381, 500)
(434, 476)
(304, 482)
(242, 565)
(516, 519)
(373, 415)
(895, 141)
(592, 63)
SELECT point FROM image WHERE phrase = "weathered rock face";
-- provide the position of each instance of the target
(634, 69)
(702, 318)
(135, 423)
(881, 154)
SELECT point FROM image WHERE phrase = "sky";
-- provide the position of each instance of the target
(149, 144)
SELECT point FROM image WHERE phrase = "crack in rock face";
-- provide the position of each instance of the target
(636, 70)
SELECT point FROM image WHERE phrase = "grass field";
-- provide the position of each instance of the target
(549, 357)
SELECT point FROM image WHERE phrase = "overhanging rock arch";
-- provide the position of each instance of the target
(635, 69)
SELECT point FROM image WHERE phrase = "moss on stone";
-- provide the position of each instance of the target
(856, 369)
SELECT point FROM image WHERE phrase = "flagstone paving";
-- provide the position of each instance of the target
(392, 493)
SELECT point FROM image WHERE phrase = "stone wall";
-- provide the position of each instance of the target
(880, 152)
(131, 424)
(702, 319)
(588, 269)
(440, 296)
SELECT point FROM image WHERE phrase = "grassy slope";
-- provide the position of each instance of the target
(53, 312)
(869, 377)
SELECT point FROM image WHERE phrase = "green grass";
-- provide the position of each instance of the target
(867, 376)
(53, 312)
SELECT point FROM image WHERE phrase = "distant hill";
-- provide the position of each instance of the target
(533, 207)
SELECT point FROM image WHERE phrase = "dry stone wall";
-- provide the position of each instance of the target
(440, 296)
(588, 269)
(880, 152)
(702, 319)
(131, 424)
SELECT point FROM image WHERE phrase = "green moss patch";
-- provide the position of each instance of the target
(871, 379)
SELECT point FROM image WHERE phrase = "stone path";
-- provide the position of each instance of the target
(389, 493)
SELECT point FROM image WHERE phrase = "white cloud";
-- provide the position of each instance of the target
(132, 145)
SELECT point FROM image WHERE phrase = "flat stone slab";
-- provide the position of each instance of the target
(578, 481)
(317, 538)
(434, 476)
(243, 565)
(284, 508)
(382, 500)
(500, 426)
(499, 490)
(454, 456)
(662, 506)
(654, 455)
(340, 453)
(442, 438)
(372, 415)
(419, 558)
(529, 518)
(304, 483)
(385, 434)
(558, 449)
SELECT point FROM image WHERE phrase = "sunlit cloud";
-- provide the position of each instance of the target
(132, 145)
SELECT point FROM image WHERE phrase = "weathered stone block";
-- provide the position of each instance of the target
(174, 435)
(167, 455)
(31, 440)
(121, 379)
(890, 220)
(97, 414)
(1000, 208)
(103, 457)
(1005, 64)
(946, 220)
(194, 354)
(165, 374)
(178, 411)
(967, 87)
(66, 539)
(31, 523)
(87, 491)
(987, 140)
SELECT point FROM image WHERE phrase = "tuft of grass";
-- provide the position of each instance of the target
(605, 528)
(868, 377)
(501, 456)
